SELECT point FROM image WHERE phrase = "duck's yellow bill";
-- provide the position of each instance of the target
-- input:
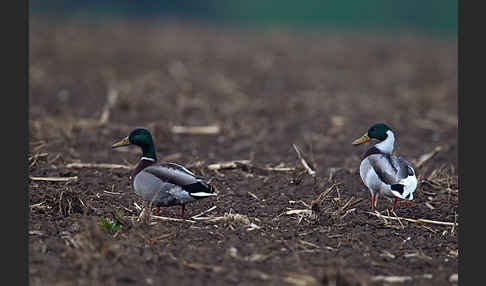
(362, 139)
(124, 142)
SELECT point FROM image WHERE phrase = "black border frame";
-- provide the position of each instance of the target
(15, 207)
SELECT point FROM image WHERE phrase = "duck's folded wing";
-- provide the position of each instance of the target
(185, 179)
(404, 167)
(395, 172)
(384, 168)
(172, 174)
(181, 169)
(408, 182)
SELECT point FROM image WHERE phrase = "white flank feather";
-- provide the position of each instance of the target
(202, 194)
(410, 183)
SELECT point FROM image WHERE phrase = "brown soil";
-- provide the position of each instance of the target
(266, 91)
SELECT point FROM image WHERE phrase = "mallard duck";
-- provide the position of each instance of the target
(382, 172)
(165, 184)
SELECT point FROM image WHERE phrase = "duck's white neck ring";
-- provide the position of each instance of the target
(147, 158)
(386, 146)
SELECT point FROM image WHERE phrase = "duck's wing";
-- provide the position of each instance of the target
(404, 167)
(181, 169)
(172, 175)
(385, 168)
(178, 175)
(396, 172)
(408, 181)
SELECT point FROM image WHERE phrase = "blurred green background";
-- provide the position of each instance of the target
(431, 17)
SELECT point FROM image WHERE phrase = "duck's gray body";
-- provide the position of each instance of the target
(168, 184)
(383, 174)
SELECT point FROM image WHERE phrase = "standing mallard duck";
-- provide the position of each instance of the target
(165, 184)
(383, 173)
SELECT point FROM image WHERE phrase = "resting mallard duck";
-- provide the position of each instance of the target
(165, 184)
(383, 173)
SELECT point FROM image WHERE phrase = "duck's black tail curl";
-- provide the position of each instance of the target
(200, 190)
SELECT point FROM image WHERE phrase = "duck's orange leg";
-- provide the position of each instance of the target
(394, 205)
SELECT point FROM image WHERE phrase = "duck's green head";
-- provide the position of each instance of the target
(377, 131)
(139, 137)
